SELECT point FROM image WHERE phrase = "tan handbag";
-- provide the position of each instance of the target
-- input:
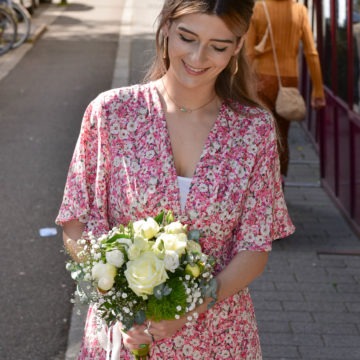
(289, 104)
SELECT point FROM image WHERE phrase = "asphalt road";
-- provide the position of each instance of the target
(41, 104)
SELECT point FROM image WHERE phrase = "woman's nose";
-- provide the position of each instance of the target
(199, 55)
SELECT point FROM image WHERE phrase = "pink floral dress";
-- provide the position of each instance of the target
(123, 169)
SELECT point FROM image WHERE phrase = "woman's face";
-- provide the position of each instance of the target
(200, 46)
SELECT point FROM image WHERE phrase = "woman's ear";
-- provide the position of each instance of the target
(239, 45)
(165, 29)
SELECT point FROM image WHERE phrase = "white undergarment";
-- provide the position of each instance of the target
(184, 185)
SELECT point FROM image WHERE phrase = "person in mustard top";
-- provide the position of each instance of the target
(290, 26)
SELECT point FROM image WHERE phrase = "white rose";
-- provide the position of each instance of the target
(137, 226)
(115, 257)
(175, 228)
(141, 243)
(133, 252)
(146, 228)
(104, 274)
(175, 242)
(144, 273)
(171, 260)
(150, 228)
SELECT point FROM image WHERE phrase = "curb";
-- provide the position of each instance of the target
(37, 34)
(122, 61)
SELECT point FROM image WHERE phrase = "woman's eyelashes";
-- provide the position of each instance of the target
(219, 49)
(188, 40)
(184, 38)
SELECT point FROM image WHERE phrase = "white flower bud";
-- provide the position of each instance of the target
(105, 283)
(115, 257)
(175, 228)
(171, 260)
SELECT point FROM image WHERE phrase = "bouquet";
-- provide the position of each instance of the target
(150, 269)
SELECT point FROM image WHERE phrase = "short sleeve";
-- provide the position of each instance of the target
(85, 195)
(265, 216)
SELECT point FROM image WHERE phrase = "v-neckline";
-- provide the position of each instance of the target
(167, 139)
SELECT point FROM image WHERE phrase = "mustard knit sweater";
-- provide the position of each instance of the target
(290, 25)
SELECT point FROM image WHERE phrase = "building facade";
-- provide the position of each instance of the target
(336, 129)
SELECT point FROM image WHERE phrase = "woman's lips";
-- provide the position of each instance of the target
(194, 71)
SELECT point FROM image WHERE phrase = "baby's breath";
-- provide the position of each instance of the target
(180, 293)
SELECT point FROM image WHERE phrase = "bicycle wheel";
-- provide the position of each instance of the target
(23, 24)
(7, 30)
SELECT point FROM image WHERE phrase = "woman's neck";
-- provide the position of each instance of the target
(185, 99)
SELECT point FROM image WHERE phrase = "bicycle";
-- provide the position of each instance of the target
(8, 29)
(22, 19)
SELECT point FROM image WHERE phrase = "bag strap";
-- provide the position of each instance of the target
(272, 43)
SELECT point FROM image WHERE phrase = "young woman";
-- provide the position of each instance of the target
(193, 140)
(290, 25)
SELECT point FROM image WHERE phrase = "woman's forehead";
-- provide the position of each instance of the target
(209, 25)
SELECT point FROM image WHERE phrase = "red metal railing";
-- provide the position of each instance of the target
(336, 129)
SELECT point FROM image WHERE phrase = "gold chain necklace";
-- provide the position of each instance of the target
(184, 109)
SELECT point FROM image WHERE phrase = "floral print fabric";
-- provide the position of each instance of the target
(123, 169)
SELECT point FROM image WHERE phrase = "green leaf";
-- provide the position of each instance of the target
(140, 317)
(169, 218)
(194, 235)
(115, 237)
(209, 290)
(127, 323)
(162, 290)
(159, 218)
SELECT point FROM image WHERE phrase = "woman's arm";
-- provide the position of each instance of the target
(241, 271)
(72, 231)
(245, 267)
(312, 60)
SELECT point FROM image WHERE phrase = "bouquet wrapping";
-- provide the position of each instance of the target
(151, 269)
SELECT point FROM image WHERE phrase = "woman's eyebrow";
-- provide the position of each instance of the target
(227, 41)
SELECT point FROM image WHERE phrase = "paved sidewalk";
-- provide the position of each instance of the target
(308, 300)
(43, 17)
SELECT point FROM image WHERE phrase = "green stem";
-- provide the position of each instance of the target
(141, 353)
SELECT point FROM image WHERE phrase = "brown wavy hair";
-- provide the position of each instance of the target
(236, 14)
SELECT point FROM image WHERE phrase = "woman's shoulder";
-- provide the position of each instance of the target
(127, 94)
(120, 103)
(250, 112)
(250, 118)
(299, 7)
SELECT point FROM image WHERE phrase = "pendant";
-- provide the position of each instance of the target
(183, 109)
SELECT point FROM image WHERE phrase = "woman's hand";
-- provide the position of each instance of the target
(318, 103)
(72, 231)
(151, 331)
(165, 328)
(136, 336)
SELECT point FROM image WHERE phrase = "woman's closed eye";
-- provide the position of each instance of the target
(184, 38)
(220, 49)
(189, 40)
